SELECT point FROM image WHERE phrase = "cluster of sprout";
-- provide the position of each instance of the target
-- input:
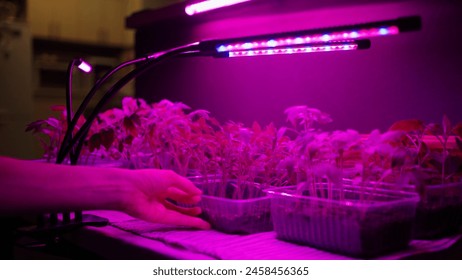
(169, 135)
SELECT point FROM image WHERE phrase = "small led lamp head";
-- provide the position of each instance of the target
(84, 66)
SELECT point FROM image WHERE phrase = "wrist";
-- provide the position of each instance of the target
(125, 181)
(105, 188)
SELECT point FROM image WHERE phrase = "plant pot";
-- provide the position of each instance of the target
(439, 212)
(250, 213)
(357, 221)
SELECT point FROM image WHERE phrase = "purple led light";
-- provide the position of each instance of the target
(294, 50)
(308, 39)
(209, 5)
(84, 66)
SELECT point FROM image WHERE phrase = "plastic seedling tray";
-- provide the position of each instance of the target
(357, 221)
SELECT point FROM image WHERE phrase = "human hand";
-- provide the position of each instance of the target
(148, 199)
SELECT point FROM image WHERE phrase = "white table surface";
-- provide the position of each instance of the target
(129, 238)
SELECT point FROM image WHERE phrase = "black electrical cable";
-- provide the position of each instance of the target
(151, 60)
(69, 113)
(74, 119)
(79, 138)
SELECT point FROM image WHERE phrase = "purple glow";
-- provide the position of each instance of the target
(315, 38)
(295, 50)
(84, 66)
(208, 5)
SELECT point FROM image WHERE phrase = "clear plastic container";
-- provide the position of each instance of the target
(247, 213)
(362, 222)
(439, 212)
(244, 216)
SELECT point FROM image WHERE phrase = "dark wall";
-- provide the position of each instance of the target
(411, 75)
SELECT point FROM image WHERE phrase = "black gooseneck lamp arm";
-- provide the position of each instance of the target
(76, 142)
(73, 119)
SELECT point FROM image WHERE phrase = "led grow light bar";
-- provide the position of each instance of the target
(209, 5)
(289, 39)
(310, 48)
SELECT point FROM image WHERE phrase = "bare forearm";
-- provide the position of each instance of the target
(33, 187)
(28, 186)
